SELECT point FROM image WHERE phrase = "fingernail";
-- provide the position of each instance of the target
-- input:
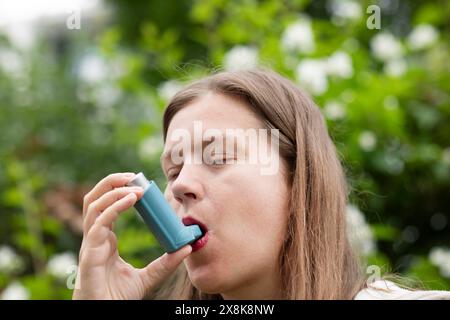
(129, 174)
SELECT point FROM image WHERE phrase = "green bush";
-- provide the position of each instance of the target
(82, 104)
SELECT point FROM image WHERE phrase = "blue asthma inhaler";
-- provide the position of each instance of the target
(160, 218)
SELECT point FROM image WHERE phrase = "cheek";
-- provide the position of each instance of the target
(266, 225)
(255, 210)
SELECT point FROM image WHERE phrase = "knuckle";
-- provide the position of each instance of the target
(113, 176)
(86, 199)
(90, 209)
(106, 179)
(163, 268)
(94, 229)
(110, 176)
(112, 212)
(121, 191)
(109, 213)
(83, 265)
(86, 226)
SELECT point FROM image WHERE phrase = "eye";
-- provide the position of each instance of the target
(173, 175)
(221, 159)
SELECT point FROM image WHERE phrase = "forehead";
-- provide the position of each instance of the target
(215, 111)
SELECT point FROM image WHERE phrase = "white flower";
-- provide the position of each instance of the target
(312, 74)
(106, 95)
(340, 64)
(118, 67)
(169, 88)
(345, 10)
(298, 37)
(92, 69)
(359, 232)
(9, 260)
(334, 110)
(385, 46)
(15, 291)
(241, 57)
(422, 36)
(21, 34)
(11, 62)
(395, 67)
(367, 140)
(440, 257)
(150, 147)
(61, 264)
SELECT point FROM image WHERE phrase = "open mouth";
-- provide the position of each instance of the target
(200, 242)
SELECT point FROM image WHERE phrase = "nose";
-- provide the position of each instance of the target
(186, 188)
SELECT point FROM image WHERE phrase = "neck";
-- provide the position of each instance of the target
(264, 288)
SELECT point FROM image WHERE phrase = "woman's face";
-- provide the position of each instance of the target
(244, 210)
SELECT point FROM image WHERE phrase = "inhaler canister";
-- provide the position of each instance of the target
(160, 218)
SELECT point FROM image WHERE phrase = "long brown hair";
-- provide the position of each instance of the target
(316, 260)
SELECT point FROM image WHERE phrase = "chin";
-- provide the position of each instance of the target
(207, 280)
(208, 288)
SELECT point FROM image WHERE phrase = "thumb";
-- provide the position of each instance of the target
(159, 269)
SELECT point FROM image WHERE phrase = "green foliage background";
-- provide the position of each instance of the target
(59, 135)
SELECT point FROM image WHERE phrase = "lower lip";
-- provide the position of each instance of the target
(200, 243)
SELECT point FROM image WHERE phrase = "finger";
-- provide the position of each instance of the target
(112, 212)
(103, 224)
(108, 183)
(161, 268)
(101, 244)
(95, 239)
(96, 207)
(106, 200)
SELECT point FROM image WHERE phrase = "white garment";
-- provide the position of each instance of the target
(387, 290)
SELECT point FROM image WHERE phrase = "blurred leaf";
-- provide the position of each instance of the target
(384, 232)
(12, 197)
(428, 274)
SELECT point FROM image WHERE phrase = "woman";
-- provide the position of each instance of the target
(268, 236)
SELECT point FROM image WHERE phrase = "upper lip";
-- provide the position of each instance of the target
(188, 220)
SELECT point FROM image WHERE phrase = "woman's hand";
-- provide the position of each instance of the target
(102, 273)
